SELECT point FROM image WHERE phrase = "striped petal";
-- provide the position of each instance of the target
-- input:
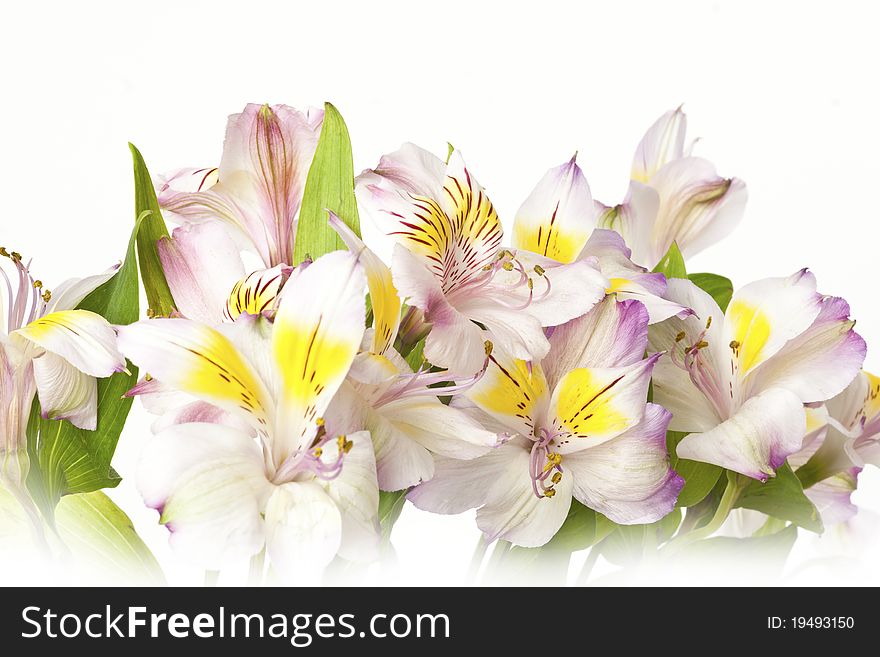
(81, 337)
(383, 295)
(266, 158)
(258, 292)
(317, 333)
(592, 405)
(513, 392)
(557, 217)
(199, 360)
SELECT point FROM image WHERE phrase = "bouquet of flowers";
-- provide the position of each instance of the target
(569, 379)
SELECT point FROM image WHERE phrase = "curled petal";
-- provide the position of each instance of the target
(65, 392)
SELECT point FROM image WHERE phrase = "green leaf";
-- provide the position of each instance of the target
(66, 459)
(672, 264)
(416, 357)
(329, 186)
(782, 497)
(699, 478)
(578, 532)
(759, 554)
(152, 229)
(390, 506)
(718, 287)
(102, 538)
(627, 544)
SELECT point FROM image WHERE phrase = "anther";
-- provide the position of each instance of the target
(507, 266)
(734, 344)
(488, 346)
(680, 336)
(556, 478)
(709, 321)
(16, 256)
(319, 422)
(46, 296)
(38, 284)
(539, 270)
(702, 344)
(550, 492)
(531, 284)
(4, 252)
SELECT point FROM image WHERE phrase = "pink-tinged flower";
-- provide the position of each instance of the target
(558, 221)
(407, 422)
(449, 262)
(739, 381)
(578, 426)
(258, 188)
(673, 197)
(282, 478)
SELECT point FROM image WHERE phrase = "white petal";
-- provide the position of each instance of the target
(756, 440)
(356, 495)
(400, 462)
(515, 332)
(65, 392)
(208, 483)
(317, 332)
(557, 217)
(303, 530)
(634, 220)
(820, 362)
(628, 479)
(662, 143)
(514, 513)
(81, 337)
(71, 292)
(764, 315)
(201, 264)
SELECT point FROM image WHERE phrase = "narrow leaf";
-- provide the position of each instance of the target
(390, 506)
(329, 186)
(672, 264)
(718, 287)
(159, 299)
(103, 541)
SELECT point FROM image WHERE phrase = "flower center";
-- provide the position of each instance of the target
(506, 272)
(256, 293)
(544, 464)
(692, 361)
(314, 460)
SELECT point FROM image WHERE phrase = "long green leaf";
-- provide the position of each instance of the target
(159, 299)
(390, 506)
(329, 186)
(672, 264)
(718, 287)
(64, 458)
(102, 538)
(782, 497)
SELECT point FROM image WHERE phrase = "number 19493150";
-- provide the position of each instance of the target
(811, 622)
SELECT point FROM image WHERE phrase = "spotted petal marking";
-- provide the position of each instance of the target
(512, 392)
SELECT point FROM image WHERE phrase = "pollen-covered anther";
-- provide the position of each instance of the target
(556, 478)
(539, 270)
(318, 452)
(550, 492)
(319, 422)
(344, 444)
(702, 344)
(531, 284)
(680, 336)
(46, 296)
(16, 256)
(4, 252)
(507, 266)
(734, 345)
(488, 346)
(709, 321)
(38, 284)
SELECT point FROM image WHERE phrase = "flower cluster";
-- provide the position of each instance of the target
(566, 369)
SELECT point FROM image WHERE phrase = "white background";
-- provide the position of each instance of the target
(784, 95)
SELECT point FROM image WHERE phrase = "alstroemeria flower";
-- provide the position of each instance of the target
(449, 262)
(579, 426)
(300, 488)
(406, 420)
(739, 381)
(673, 197)
(558, 220)
(257, 190)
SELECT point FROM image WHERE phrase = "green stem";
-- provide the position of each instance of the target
(476, 560)
(255, 572)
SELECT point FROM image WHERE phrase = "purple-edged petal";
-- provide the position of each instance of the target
(613, 334)
(201, 264)
(820, 362)
(628, 479)
(756, 439)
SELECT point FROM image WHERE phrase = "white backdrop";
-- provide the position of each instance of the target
(784, 96)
